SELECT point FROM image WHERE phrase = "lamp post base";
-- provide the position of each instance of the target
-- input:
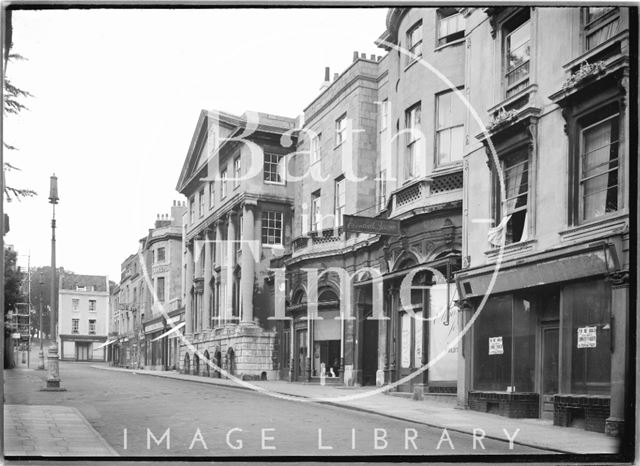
(53, 377)
(41, 360)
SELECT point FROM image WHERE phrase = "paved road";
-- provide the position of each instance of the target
(130, 411)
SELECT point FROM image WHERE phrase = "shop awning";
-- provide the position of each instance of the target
(174, 329)
(106, 343)
(540, 269)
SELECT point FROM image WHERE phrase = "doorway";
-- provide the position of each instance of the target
(369, 351)
(82, 351)
(550, 369)
(300, 354)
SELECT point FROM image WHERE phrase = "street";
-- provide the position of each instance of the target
(143, 415)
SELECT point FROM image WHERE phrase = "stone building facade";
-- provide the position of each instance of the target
(402, 137)
(83, 302)
(239, 218)
(546, 200)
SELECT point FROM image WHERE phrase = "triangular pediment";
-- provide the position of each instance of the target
(211, 128)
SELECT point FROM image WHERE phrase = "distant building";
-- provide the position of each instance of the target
(83, 302)
(163, 290)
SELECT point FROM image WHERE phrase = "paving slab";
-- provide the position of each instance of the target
(50, 431)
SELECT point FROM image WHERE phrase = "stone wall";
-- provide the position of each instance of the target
(247, 351)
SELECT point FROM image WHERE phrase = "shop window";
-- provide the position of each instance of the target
(414, 41)
(598, 165)
(515, 172)
(414, 138)
(600, 24)
(450, 25)
(517, 53)
(449, 128)
(587, 337)
(504, 345)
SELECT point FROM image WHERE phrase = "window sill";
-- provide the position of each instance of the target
(612, 224)
(274, 183)
(511, 250)
(338, 145)
(505, 103)
(449, 44)
(448, 168)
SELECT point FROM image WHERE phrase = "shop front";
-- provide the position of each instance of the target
(543, 343)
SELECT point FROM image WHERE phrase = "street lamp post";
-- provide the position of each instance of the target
(53, 377)
(41, 353)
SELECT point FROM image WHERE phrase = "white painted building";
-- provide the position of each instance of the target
(83, 317)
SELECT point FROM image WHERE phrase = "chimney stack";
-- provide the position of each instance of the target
(326, 83)
(363, 55)
(355, 55)
(373, 57)
(335, 76)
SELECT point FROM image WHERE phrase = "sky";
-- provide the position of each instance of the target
(116, 97)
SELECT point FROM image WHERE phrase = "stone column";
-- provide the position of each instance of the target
(391, 350)
(614, 425)
(230, 262)
(219, 247)
(206, 303)
(248, 263)
(188, 308)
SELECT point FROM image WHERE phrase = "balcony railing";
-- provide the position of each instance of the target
(428, 191)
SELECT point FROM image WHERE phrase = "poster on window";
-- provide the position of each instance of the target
(405, 341)
(443, 330)
(586, 337)
(495, 345)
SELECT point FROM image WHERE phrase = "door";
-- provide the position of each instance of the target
(550, 368)
(369, 351)
(300, 354)
(82, 351)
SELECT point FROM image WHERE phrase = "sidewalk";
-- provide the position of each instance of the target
(530, 432)
(50, 431)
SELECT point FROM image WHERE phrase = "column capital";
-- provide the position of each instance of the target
(249, 204)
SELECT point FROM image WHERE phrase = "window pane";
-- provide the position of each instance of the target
(492, 372)
(587, 305)
(524, 345)
(602, 33)
(444, 146)
(444, 110)
(457, 143)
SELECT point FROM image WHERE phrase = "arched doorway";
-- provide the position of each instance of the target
(217, 359)
(205, 369)
(186, 366)
(196, 364)
(231, 361)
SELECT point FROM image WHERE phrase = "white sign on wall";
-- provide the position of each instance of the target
(586, 337)
(495, 345)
